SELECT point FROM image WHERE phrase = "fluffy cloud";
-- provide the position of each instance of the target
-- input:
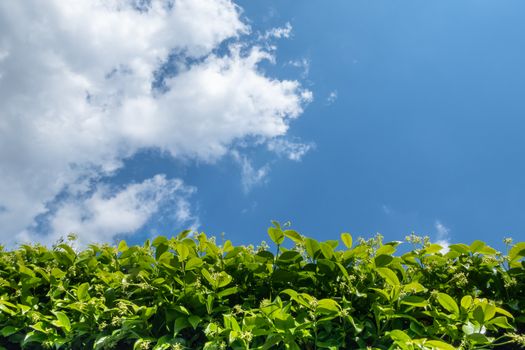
(279, 32)
(250, 176)
(105, 213)
(443, 236)
(78, 96)
(292, 150)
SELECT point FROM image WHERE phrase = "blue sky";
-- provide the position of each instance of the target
(414, 125)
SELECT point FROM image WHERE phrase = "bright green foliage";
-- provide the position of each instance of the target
(187, 292)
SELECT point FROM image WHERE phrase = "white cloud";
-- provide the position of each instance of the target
(443, 236)
(250, 176)
(76, 95)
(303, 64)
(279, 32)
(104, 213)
(332, 97)
(291, 150)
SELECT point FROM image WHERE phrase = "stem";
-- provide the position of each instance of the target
(315, 333)
(273, 269)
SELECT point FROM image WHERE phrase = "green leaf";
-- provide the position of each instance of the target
(468, 328)
(383, 260)
(347, 239)
(8, 330)
(5, 307)
(148, 312)
(159, 240)
(487, 250)
(504, 312)
(292, 293)
(223, 279)
(414, 287)
(183, 251)
(401, 339)
(500, 321)
(209, 303)
(478, 314)
(183, 235)
(180, 324)
(193, 263)
(206, 274)
(82, 292)
(389, 276)
(478, 338)
(382, 292)
(334, 243)
(448, 303)
(194, 321)
(62, 321)
(466, 302)
(327, 250)
(460, 248)
(399, 336)
(57, 273)
(69, 251)
(489, 311)
(342, 269)
(477, 246)
(484, 312)
(312, 247)
(289, 257)
(433, 248)
(386, 249)
(328, 306)
(227, 291)
(231, 323)
(25, 271)
(161, 249)
(439, 345)
(122, 246)
(517, 251)
(276, 235)
(294, 236)
(100, 342)
(228, 246)
(23, 308)
(414, 300)
(33, 337)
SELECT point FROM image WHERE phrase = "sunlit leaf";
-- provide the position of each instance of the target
(389, 276)
(383, 260)
(347, 239)
(276, 235)
(466, 302)
(327, 250)
(448, 303)
(62, 320)
(193, 263)
(82, 291)
(439, 345)
(294, 236)
(312, 247)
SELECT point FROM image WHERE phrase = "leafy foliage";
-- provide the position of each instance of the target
(187, 292)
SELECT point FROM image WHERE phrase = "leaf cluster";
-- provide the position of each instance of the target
(188, 292)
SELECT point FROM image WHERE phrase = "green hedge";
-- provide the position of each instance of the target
(187, 292)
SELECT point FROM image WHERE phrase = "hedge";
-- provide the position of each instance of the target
(189, 292)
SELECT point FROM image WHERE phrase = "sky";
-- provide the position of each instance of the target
(134, 118)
